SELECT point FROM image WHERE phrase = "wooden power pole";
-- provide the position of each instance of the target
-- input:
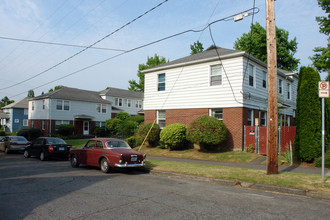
(272, 137)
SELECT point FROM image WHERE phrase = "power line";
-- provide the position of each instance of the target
(58, 44)
(83, 50)
(139, 47)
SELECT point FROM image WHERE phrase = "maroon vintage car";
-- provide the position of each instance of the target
(106, 153)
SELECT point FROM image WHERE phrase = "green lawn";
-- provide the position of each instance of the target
(76, 143)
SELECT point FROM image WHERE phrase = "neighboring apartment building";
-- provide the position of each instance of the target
(232, 89)
(15, 116)
(82, 108)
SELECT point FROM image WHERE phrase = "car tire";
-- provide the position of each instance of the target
(73, 161)
(104, 164)
(26, 154)
(7, 150)
(42, 156)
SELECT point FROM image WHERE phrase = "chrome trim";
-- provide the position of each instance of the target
(130, 165)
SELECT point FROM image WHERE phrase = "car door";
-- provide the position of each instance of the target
(36, 146)
(90, 153)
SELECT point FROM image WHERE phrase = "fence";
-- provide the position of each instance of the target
(257, 137)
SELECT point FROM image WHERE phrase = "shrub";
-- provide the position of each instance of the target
(153, 138)
(250, 149)
(123, 116)
(113, 126)
(131, 141)
(30, 133)
(127, 128)
(65, 129)
(174, 136)
(138, 118)
(318, 161)
(207, 131)
(100, 132)
(2, 132)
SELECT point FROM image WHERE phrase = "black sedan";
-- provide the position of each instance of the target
(46, 147)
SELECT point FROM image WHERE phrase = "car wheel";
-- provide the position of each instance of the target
(7, 150)
(26, 154)
(74, 162)
(104, 166)
(42, 156)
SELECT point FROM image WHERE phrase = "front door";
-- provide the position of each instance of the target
(86, 128)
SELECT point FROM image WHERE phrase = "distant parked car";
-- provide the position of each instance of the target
(106, 153)
(46, 147)
(2, 138)
(14, 143)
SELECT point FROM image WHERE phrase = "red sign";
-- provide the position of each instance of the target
(323, 89)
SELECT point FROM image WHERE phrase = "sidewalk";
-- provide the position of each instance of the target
(256, 164)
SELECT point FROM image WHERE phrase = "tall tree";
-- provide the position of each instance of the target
(256, 45)
(197, 47)
(55, 88)
(151, 62)
(30, 93)
(324, 22)
(307, 143)
(5, 101)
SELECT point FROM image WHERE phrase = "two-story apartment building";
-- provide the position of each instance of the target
(15, 116)
(232, 88)
(82, 108)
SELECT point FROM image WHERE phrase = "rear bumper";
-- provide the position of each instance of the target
(17, 147)
(63, 154)
(130, 165)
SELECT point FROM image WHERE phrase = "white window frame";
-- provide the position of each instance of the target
(16, 120)
(43, 104)
(161, 118)
(280, 86)
(264, 79)
(251, 74)
(32, 106)
(161, 83)
(43, 125)
(60, 122)
(289, 91)
(216, 75)
(25, 122)
(26, 111)
(129, 103)
(263, 120)
(101, 108)
(216, 113)
(251, 117)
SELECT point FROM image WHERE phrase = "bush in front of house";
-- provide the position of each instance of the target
(153, 137)
(208, 131)
(123, 116)
(137, 118)
(132, 142)
(101, 132)
(30, 133)
(174, 136)
(112, 126)
(2, 132)
(127, 128)
(318, 161)
(65, 129)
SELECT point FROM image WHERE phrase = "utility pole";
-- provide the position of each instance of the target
(272, 137)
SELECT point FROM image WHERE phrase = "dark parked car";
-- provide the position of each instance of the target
(107, 153)
(14, 143)
(46, 147)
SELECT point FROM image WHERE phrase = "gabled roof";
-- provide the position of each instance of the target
(23, 103)
(67, 93)
(114, 92)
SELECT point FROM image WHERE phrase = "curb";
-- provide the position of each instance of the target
(248, 185)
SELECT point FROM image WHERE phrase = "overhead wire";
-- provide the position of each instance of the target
(142, 46)
(83, 50)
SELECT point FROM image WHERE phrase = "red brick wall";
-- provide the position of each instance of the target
(184, 116)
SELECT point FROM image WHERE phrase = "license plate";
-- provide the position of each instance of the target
(61, 148)
(133, 158)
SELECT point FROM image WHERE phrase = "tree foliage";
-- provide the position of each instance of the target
(324, 22)
(153, 137)
(5, 101)
(307, 143)
(174, 136)
(151, 62)
(30, 93)
(197, 47)
(256, 45)
(55, 88)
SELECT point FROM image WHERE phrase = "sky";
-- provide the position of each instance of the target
(25, 65)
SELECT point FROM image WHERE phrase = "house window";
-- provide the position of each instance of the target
(120, 102)
(289, 90)
(99, 124)
(264, 79)
(116, 101)
(101, 108)
(217, 113)
(161, 82)
(62, 105)
(104, 108)
(43, 125)
(280, 86)
(216, 75)
(140, 104)
(25, 122)
(98, 107)
(251, 75)
(59, 105)
(263, 119)
(136, 104)
(129, 103)
(32, 106)
(250, 117)
(66, 105)
(16, 120)
(58, 123)
(43, 104)
(161, 118)
(26, 111)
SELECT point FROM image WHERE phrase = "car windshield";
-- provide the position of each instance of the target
(55, 141)
(117, 144)
(18, 138)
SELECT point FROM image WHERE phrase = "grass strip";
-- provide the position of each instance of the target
(286, 179)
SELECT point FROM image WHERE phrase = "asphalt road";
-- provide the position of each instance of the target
(31, 189)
